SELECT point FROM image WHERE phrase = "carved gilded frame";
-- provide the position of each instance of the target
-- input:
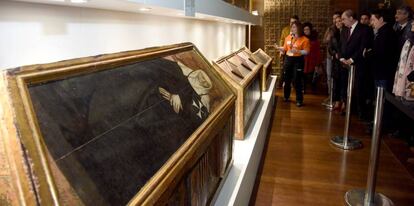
(21, 127)
(239, 87)
(266, 67)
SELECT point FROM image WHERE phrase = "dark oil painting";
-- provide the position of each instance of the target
(110, 131)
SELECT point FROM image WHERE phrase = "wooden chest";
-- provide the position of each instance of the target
(243, 74)
(145, 127)
(266, 60)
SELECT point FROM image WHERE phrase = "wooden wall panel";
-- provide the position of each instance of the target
(277, 14)
(257, 32)
(410, 2)
(344, 5)
(257, 39)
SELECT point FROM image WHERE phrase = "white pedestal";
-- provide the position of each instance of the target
(238, 185)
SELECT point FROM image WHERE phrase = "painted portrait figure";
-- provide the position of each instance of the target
(109, 132)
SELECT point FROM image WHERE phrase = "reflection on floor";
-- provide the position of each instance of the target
(302, 168)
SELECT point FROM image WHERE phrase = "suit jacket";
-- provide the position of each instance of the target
(384, 53)
(402, 35)
(354, 46)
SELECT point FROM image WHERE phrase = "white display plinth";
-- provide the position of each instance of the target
(238, 185)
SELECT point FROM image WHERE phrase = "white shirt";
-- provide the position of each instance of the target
(350, 34)
(403, 25)
(353, 27)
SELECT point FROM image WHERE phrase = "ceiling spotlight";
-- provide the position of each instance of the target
(79, 1)
(145, 9)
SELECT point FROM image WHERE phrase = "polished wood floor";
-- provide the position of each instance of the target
(302, 168)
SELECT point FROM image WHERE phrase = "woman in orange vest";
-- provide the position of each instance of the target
(296, 47)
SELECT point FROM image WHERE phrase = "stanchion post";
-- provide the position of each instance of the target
(330, 105)
(345, 142)
(375, 147)
(368, 197)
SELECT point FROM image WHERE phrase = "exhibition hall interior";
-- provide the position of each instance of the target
(207, 102)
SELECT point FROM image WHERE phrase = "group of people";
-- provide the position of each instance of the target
(372, 46)
(378, 44)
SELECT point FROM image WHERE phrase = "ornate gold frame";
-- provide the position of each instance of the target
(20, 127)
(266, 68)
(239, 87)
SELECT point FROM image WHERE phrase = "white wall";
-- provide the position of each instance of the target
(36, 33)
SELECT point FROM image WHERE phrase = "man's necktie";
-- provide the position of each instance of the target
(399, 28)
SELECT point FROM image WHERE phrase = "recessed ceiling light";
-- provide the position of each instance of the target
(79, 1)
(145, 9)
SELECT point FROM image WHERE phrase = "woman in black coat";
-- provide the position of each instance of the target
(339, 74)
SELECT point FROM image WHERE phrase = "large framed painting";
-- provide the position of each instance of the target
(241, 71)
(266, 60)
(146, 127)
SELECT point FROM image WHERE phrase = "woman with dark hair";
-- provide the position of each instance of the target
(313, 59)
(296, 47)
(339, 74)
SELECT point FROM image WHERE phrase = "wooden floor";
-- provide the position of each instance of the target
(302, 168)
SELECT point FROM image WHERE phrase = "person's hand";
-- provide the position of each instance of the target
(174, 99)
(366, 52)
(176, 103)
(277, 46)
(164, 93)
(294, 50)
(346, 61)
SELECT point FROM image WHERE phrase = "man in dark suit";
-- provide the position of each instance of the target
(355, 38)
(384, 51)
(402, 26)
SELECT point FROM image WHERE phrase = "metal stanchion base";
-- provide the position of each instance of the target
(338, 141)
(356, 198)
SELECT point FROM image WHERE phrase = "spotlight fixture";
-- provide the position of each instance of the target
(79, 1)
(145, 9)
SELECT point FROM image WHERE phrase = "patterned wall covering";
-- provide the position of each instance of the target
(277, 14)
